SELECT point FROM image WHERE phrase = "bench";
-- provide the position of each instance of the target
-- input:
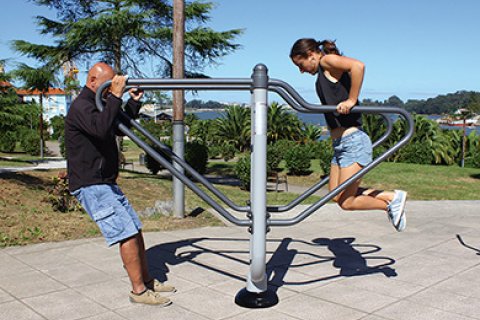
(275, 177)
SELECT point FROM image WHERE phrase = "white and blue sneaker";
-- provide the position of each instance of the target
(396, 210)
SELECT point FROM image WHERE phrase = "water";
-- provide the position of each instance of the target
(316, 119)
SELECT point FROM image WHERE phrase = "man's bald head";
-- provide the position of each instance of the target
(98, 74)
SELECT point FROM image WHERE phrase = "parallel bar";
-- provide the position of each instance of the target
(164, 162)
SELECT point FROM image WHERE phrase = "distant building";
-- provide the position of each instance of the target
(56, 101)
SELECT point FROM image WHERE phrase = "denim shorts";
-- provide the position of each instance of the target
(109, 208)
(355, 147)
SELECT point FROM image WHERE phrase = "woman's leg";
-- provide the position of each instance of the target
(354, 198)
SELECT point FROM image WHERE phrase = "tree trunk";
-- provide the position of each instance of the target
(41, 125)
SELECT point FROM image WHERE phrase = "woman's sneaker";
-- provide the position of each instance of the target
(150, 297)
(396, 210)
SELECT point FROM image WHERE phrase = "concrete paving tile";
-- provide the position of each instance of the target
(353, 297)
(47, 258)
(30, 284)
(111, 265)
(373, 317)
(78, 275)
(145, 312)
(208, 303)
(105, 316)
(299, 281)
(379, 283)
(91, 251)
(18, 311)
(448, 301)
(65, 304)
(466, 283)
(111, 294)
(198, 274)
(4, 296)
(38, 247)
(407, 310)
(11, 266)
(428, 268)
(307, 307)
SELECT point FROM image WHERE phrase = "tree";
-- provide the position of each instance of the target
(127, 33)
(282, 124)
(10, 112)
(234, 127)
(463, 114)
(37, 79)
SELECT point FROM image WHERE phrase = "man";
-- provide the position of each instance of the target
(92, 161)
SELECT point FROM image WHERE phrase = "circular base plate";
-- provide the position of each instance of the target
(252, 300)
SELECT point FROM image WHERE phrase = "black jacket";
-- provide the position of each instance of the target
(91, 147)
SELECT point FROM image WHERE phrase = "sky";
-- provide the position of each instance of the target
(414, 49)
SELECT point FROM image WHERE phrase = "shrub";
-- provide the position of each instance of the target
(325, 155)
(60, 197)
(274, 156)
(416, 152)
(298, 160)
(30, 142)
(214, 152)
(242, 170)
(196, 155)
(285, 145)
(151, 164)
(8, 141)
(228, 151)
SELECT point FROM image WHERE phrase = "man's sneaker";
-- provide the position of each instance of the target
(158, 286)
(396, 210)
(150, 297)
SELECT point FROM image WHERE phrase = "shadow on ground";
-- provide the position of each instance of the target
(347, 259)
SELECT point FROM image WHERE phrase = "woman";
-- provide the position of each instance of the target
(338, 83)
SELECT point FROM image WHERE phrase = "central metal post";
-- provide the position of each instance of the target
(256, 294)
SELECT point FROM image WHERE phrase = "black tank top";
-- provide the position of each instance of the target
(331, 93)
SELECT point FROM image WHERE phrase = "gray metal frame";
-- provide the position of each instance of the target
(258, 213)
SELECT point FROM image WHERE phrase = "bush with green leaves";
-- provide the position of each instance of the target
(153, 165)
(285, 145)
(59, 196)
(416, 152)
(325, 155)
(298, 160)
(196, 155)
(8, 141)
(228, 151)
(58, 126)
(274, 156)
(242, 170)
(214, 151)
(30, 142)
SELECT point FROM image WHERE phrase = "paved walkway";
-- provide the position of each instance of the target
(334, 265)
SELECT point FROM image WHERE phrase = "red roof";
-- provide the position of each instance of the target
(51, 91)
(5, 84)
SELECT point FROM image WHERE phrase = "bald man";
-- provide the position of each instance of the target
(92, 162)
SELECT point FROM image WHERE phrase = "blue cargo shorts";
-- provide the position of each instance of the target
(355, 147)
(109, 208)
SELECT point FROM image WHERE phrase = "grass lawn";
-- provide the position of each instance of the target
(423, 182)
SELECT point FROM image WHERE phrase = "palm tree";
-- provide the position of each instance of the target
(234, 127)
(311, 133)
(36, 79)
(282, 124)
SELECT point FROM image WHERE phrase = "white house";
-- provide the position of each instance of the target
(56, 101)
